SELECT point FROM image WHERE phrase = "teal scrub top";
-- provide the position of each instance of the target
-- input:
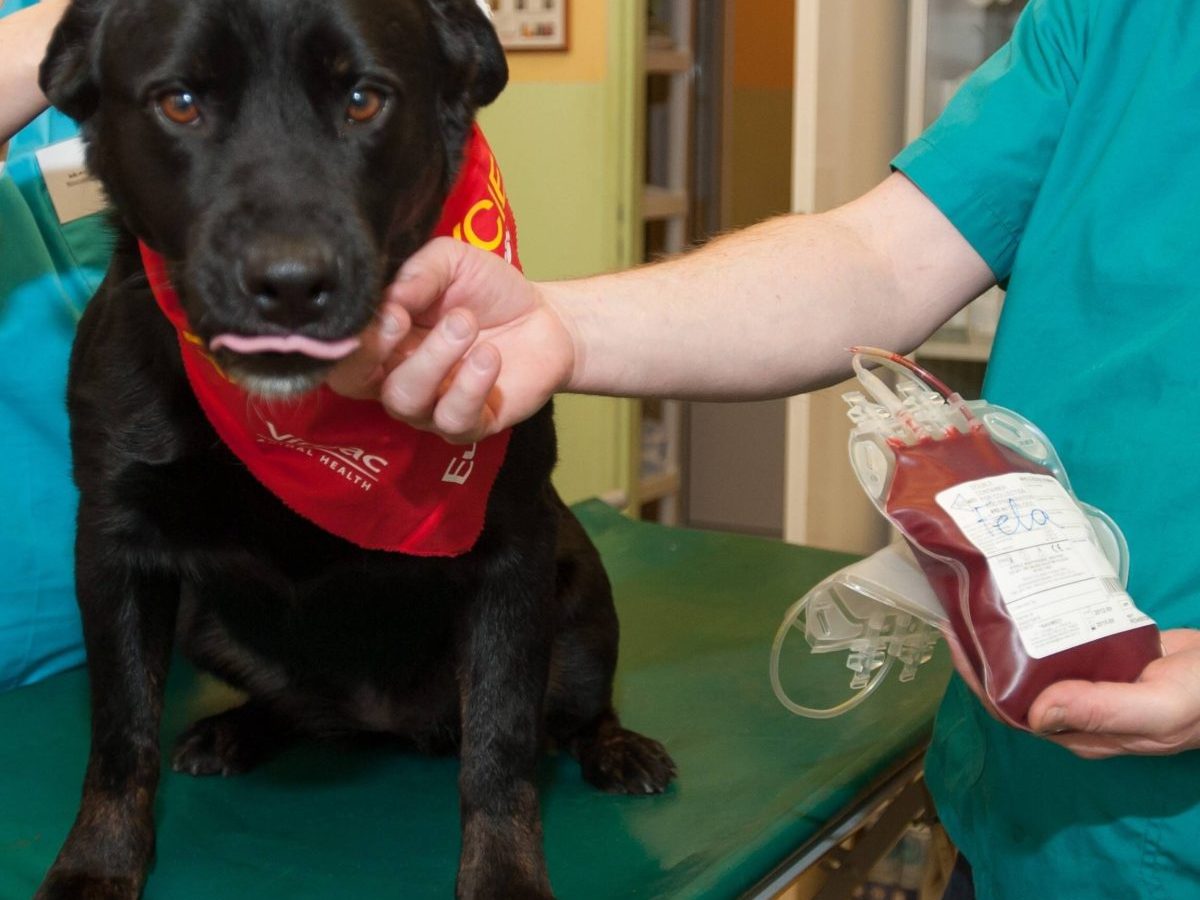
(1071, 162)
(48, 270)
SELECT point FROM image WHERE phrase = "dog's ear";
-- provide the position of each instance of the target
(68, 72)
(472, 49)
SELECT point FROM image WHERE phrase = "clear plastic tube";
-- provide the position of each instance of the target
(792, 620)
(911, 370)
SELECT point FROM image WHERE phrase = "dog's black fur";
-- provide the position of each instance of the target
(488, 652)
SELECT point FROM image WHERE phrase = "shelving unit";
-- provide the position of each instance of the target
(668, 64)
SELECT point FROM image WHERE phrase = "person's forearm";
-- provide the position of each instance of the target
(771, 310)
(23, 39)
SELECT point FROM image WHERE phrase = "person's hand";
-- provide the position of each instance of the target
(1159, 714)
(464, 345)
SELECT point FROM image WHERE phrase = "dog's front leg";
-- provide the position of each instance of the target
(128, 623)
(502, 684)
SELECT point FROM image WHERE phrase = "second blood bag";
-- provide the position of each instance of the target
(1021, 567)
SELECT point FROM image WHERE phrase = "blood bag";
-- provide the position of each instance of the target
(1028, 579)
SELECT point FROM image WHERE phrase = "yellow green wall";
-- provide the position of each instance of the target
(561, 131)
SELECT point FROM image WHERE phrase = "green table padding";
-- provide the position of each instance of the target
(698, 614)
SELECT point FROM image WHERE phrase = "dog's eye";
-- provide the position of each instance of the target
(364, 105)
(179, 107)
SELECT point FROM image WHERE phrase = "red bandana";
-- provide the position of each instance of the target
(344, 464)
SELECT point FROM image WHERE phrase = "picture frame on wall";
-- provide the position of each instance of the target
(531, 24)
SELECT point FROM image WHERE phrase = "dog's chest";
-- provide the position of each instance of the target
(344, 655)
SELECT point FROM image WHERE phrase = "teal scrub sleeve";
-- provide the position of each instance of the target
(983, 161)
(48, 271)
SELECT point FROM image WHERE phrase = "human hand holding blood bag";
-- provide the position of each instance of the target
(1157, 715)
(1023, 571)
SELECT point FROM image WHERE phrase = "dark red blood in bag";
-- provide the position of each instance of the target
(989, 638)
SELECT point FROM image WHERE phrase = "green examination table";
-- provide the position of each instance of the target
(759, 789)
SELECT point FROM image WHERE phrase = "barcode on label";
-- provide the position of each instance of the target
(1112, 586)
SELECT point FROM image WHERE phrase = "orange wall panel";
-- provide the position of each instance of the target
(762, 42)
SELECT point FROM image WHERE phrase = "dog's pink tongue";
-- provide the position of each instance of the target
(292, 343)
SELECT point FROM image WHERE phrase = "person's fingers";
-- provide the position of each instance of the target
(1105, 708)
(359, 375)
(446, 274)
(1156, 715)
(411, 390)
(462, 413)
(425, 276)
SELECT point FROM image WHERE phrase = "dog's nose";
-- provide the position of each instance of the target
(290, 279)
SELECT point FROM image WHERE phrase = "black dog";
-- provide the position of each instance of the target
(284, 156)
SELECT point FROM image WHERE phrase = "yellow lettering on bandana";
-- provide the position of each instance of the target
(466, 230)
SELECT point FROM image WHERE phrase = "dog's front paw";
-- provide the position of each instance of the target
(62, 885)
(207, 748)
(625, 762)
(229, 743)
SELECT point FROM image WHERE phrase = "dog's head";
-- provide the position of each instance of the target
(283, 155)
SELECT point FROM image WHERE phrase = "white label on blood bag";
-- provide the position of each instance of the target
(1057, 585)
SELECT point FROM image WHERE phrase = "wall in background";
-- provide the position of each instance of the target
(561, 133)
